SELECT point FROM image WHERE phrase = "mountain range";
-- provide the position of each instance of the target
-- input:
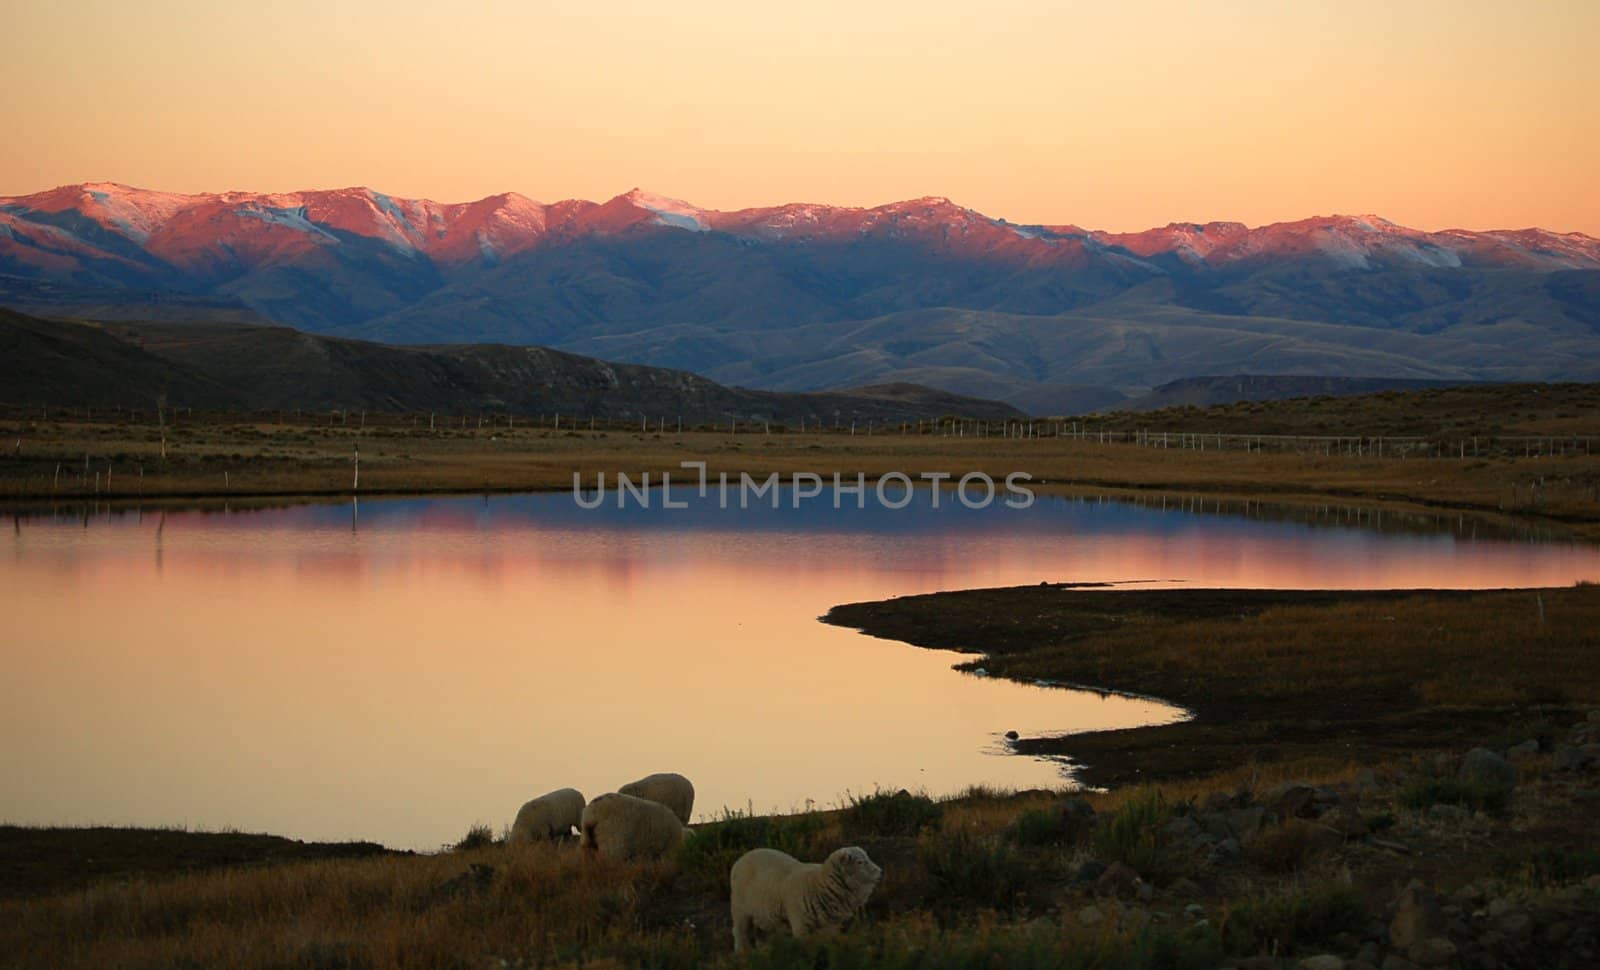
(1050, 318)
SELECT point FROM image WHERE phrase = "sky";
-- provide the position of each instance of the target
(1463, 114)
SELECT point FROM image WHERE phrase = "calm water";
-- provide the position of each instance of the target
(399, 671)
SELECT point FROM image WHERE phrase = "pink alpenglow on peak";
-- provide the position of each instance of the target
(215, 232)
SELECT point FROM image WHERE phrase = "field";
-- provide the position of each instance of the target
(1523, 454)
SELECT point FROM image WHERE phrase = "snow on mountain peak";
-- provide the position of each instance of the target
(670, 212)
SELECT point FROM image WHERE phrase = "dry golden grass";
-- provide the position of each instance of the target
(231, 456)
(1271, 674)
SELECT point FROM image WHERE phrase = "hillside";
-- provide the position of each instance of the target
(242, 366)
(805, 297)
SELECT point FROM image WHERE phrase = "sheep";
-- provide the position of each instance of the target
(624, 827)
(670, 789)
(771, 890)
(552, 815)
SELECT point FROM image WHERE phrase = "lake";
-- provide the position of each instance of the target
(400, 669)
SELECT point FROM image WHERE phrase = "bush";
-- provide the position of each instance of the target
(1134, 835)
(1282, 923)
(478, 836)
(965, 869)
(1055, 826)
(1453, 791)
(900, 813)
(716, 846)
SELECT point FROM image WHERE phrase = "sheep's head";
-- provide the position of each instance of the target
(858, 871)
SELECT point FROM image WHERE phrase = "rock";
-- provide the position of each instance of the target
(1484, 767)
(1594, 716)
(1323, 961)
(1144, 890)
(1557, 933)
(1499, 907)
(1360, 964)
(1244, 823)
(1346, 821)
(1012, 735)
(1366, 780)
(1184, 887)
(1117, 879)
(1396, 962)
(1448, 813)
(1291, 800)
(1228, 850)
(1433, 952)
(1314, 835)
(1523, 751)
(1194, 911)
(1091, 916)
(1182, 828)
(1567, 758)
(1090, 871)
(1515, 925)
(1077, 818)
(1218, 802)
(1417, 917)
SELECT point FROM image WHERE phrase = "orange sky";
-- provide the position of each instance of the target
(1113, 116)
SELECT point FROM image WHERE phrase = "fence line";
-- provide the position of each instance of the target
(1021, 430)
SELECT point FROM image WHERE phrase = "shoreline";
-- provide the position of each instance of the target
(1367, 707)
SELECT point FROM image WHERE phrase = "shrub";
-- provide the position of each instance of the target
(1048, 826)
(1453, 791)
(478, 836)
(1282, 923)
(1134, 835)
(716, 846)
(966, 869)
(899, 813)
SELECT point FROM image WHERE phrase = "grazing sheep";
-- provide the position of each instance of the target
(550, 816)
(624, 827)
(671, 790)
(772, 889)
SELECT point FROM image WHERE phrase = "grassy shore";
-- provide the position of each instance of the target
(1320, 775)
(225, 456)
(1272, 675)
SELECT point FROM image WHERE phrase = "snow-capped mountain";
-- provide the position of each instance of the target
(755, 294)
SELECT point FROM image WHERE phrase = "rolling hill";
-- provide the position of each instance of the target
(228, 366)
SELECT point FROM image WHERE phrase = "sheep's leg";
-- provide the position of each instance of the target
(743, 926)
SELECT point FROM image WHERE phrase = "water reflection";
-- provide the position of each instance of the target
(400, 668)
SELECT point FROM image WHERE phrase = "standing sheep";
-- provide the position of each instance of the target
(552, 815)
(772, 889)
(624, 827)
(670, 789)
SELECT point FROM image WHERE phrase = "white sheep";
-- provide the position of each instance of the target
(552, 815)
(773, 889)
(624, 827)
(670, 789)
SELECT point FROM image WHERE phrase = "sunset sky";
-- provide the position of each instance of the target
(1435, 114)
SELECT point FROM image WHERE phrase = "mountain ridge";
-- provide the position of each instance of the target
(807, 296)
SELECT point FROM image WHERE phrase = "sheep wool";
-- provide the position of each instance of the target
(670, 789)
(773, 890)
(624, 827)
(552, 815)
